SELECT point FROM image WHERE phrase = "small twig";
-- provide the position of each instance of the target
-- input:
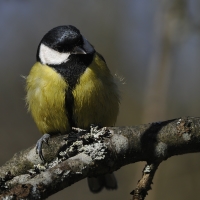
(144, 184)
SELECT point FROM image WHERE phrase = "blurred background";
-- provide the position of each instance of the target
(152, 46)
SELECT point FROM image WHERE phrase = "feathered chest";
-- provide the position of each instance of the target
(46, 98)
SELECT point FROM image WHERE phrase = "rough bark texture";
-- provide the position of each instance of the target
(97, 152)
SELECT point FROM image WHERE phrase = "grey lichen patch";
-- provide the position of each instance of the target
(161, 150)
(120, 143)
(33, 157)
(96, 151)
(38, 169)
(179, 121)
(83, 157)
(67, 173)
(89, 144)
(58, 171)
(147, 169)
(186, 136)
(19, 179)
(55, 162)
(41, 167)
(44, 178)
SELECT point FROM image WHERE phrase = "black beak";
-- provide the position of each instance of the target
(86, 48)
(78, 50)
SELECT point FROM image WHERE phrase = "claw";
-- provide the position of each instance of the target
(44, 138)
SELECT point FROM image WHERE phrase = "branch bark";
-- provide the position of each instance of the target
(86, 154)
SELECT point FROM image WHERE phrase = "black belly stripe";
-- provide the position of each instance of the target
(71, 71)
(69, 104)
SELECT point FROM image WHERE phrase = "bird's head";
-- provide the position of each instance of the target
(60, 44)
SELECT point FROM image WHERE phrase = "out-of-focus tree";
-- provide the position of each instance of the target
(154, 45)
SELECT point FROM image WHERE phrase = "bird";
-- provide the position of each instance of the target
(69, 86)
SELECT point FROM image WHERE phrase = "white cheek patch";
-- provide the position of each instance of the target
(50, 56)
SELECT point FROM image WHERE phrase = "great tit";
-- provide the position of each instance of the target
(69, 86)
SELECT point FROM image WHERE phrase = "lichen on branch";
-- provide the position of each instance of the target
(82, 154)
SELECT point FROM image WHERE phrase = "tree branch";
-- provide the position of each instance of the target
(144, 184)
(86, 154)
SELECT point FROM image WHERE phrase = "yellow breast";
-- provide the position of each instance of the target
(46, 99)
(96, 99)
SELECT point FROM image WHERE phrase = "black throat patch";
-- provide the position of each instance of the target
(74, 68)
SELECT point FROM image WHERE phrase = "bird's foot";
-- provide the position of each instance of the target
(44, 138)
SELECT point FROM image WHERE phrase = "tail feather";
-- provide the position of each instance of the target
(110, 182)
(97, 184)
